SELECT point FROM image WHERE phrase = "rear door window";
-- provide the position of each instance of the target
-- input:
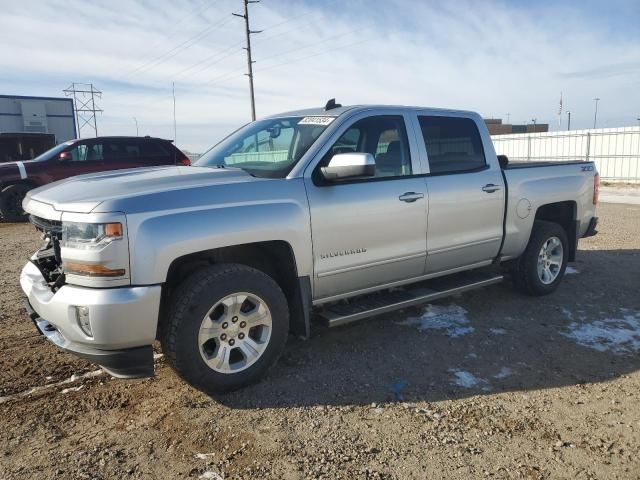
(453, 144)
(155, 152)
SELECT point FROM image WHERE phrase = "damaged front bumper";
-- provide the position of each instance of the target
(123, 322)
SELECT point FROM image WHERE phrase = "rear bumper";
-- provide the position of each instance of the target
(591, 229)
(123, 322)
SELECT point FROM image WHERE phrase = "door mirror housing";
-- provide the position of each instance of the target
(64, 157)
(349, 165)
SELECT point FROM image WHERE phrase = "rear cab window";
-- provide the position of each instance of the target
(453, 144)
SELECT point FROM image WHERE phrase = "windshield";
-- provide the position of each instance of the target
(52, 152)
(267, 148)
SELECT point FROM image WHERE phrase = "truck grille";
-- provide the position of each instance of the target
(52, 227)
(48, 259)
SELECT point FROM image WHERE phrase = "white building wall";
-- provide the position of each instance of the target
(44, 115)
(615, 151)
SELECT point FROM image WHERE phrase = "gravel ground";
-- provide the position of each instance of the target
(489, 384)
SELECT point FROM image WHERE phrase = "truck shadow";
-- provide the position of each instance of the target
(484, 342)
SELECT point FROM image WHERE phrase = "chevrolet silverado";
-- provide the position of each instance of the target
(340, 212)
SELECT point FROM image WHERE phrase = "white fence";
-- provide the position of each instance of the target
(615, 151)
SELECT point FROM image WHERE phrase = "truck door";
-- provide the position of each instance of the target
(370, 231)
(466, 194)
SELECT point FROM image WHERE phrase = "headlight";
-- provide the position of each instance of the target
(90, 236)
(94, 249)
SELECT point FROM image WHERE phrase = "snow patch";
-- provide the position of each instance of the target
(203, 456)
(503, 373)
(72, 389)
(617, 335)
(73, 378)
(210, 475)
(466, 379)
(571, 271)
(451, 319)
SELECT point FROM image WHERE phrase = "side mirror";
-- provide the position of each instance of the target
(64, 156)
(349, 165)
(503, 160)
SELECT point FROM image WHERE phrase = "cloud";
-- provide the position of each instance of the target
(493, 57)
(607, 71)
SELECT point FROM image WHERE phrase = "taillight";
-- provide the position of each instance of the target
(185, 161)
(596, 188)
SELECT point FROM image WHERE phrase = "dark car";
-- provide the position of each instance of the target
(77, 157)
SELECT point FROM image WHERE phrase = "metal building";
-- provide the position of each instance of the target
(20, 114)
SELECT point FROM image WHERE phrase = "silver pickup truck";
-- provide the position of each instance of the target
(340, 212)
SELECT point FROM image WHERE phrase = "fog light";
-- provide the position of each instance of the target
(82, 316)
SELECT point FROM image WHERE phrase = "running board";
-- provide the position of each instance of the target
(423, 292)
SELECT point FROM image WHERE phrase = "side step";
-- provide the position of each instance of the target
(423, 292)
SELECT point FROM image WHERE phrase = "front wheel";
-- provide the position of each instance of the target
(227, 325)
(541, 267)
(11, 203)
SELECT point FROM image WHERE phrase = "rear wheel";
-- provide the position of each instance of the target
(541, 267)
(227, 326)
(11, 203)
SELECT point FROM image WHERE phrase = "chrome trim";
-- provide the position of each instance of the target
(399, 283)
(464, 245)
(367, 265)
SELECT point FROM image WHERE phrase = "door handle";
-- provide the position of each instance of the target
(490, 188)
(410, 196)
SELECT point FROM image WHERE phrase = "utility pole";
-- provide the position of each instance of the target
(595, 114)
(569, 120)
(250, 62)
(136, 120)
(508, 117)
(84, 105)
(534, 124)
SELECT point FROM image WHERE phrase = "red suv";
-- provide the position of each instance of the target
(76, 157)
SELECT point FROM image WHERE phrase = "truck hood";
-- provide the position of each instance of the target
(84, 193)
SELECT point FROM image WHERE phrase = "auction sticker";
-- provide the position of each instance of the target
(316, 121)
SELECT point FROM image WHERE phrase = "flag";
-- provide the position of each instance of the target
(560, 111)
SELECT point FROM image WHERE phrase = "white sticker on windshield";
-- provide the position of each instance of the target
(316, 121)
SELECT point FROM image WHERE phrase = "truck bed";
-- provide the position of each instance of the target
(541, 163)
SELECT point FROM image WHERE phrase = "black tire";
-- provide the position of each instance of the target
(11, 203)
(188, 307)
(525, 272)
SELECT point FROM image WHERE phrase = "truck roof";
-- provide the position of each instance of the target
(337, 111)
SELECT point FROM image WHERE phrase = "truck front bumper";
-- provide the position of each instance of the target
(122, 321)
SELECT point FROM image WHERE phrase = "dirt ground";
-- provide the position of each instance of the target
(489, 384)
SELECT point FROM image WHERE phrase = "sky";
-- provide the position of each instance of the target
(505, 59)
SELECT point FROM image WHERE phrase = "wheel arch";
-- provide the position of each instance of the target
(275, 258)
(564, 214)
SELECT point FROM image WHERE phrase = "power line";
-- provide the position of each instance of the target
(230, 50)
(175, 50)
(232, 73)
(343, 47)
(250, 62)
(198, 10)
